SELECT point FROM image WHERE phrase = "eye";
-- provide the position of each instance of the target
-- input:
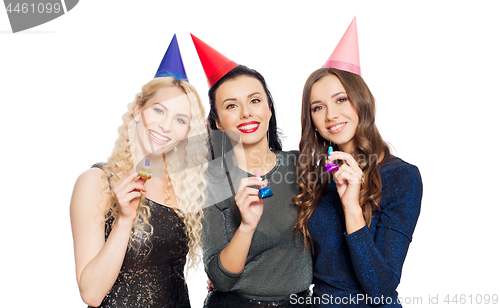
(255, 101)
(181, 121)
(342, 100)
(231, 106)
(158, 110)
(317, 108)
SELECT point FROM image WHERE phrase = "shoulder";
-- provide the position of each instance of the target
(214, 170)
(91, 180)
(287, 153)
(89, 190)
(401, 198)
(288, 158)
(90, 177)
(396, 167)
(100, 165)
(401, 180)
(218, 186)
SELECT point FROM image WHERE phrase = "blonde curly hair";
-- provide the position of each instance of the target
(186, 167)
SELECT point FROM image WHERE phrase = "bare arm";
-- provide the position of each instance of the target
(97, 261)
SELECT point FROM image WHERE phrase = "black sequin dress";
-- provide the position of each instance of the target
(153, 275)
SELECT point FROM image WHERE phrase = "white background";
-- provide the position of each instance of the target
(432, 66)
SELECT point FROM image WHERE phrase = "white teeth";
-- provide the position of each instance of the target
(337, 126)
(247, 127)
(158, 136)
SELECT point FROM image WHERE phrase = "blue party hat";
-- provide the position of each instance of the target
(171, 65)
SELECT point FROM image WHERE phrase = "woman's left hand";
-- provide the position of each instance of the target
(348, 178)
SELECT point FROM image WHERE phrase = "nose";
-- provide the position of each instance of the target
(166, 124)
(245, 111)
(331, 113)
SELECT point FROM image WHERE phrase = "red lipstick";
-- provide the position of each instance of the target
(248, 127)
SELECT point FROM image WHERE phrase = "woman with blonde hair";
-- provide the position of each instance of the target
(132, 235)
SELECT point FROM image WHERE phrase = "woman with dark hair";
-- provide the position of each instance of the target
(358, 220)
(250, 252)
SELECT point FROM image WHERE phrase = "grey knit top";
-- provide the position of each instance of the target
(278, 264)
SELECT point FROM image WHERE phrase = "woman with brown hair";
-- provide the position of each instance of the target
(358, 220)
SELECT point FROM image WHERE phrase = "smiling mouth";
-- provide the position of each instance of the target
(158, 138)
(337, 128)
(248, 128)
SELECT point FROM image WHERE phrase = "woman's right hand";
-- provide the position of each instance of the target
(128, 194)
(249, 203)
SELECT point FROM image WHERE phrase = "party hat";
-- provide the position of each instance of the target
(171, 65)
(346, 55)
(214, 63)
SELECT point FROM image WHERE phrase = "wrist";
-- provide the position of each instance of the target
(354, 219)
(245, 229)
(353, 210)
(126, 223)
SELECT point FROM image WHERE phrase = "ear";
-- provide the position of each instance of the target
(219, 127)
(136, 111)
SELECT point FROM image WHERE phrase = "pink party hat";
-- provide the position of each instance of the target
(346, 55)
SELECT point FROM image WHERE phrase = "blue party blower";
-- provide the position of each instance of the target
(264, 191)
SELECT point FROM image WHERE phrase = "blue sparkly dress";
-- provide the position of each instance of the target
(363, 269)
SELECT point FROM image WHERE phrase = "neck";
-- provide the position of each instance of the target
(347, 148)
(255, 158)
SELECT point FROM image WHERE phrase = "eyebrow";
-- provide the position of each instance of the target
(179, 114)
(234, 99)
(334, 95)
(250, 95)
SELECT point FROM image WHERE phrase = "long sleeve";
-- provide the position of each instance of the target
(214, 240)
(277, 263)
(378, 252)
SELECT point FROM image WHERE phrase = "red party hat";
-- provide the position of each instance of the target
(215, 64)
(346, 55)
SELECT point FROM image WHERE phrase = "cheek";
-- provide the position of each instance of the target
(354, 116)
(149, 117)
(181, 132)
(263, 111)
(351, 112)
(225, 118)
(316, 119)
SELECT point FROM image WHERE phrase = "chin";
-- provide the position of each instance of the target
(167, 149)
(251, 139)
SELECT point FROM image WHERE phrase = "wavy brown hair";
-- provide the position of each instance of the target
(370, 151)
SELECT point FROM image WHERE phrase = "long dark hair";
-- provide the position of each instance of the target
(213, 117)
(313, 147)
